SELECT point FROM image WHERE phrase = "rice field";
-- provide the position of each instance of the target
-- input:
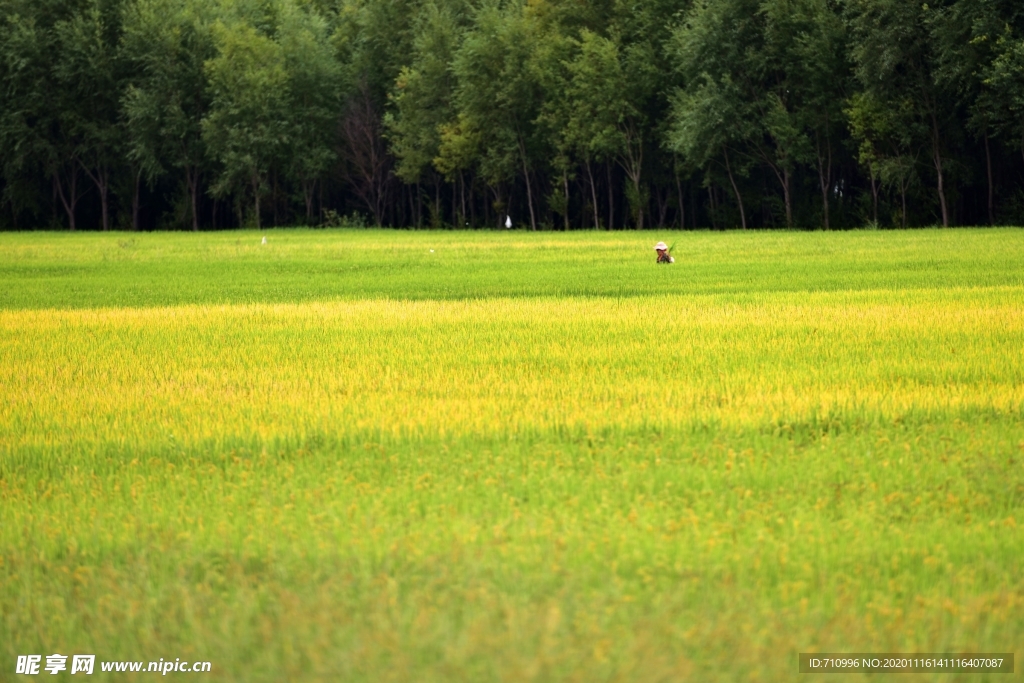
(387, 456)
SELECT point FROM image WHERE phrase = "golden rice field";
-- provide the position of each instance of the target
(344, 456)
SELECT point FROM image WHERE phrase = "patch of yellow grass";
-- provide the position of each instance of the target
(205, 372)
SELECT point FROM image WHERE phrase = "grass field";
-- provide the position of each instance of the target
(388, 456)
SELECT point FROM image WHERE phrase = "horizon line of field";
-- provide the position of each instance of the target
(517, 231)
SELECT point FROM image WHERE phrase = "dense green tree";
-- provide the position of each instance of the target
(24, 72)
(980, 54)
(887, 138)
(313, 89)
(641, 32)
(422, 96)
(710, 115)
(807, 45)
(42, 119)
(896, 64)
(168, 42)
(763, 79)
(246, 129)
(608, 88)
(608, 113)
(89, 72)
(496, 101)
(374, 40)
(1005, 80)
(557, 109)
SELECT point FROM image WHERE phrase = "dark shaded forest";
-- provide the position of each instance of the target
(561, 114)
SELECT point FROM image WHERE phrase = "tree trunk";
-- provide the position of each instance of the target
(105, 202)
(611, 198)
(565, 188)
(462, 198)
(640, 204)
(739, 197)
(256, 196)
(782, 175)
(135, 201)
(824, 175)
(472, 202)
(593, 196)
(582, 217)
(487, 206)
(874, 195)
(435, 220)
(308, 190)
(632, 161)
(988, 167)
(419, 207)
(789, 199)
(937, 158)
(192, 179)
(903, 199)
(714, 207)
(634, 170)
(70, 198)
(663, 200)
(693, 206)
(273, 198)
(682, 209)
(529, 190)
(101, 179)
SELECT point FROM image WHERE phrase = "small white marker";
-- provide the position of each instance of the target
(508, 221)
(264, 239)
(431, 251)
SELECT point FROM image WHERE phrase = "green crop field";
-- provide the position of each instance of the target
(401, 456)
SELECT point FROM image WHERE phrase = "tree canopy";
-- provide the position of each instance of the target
(208, 114)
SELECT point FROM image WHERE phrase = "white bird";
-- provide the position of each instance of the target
(264, 239)
(508, 222)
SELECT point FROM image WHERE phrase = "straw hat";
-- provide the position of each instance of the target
(661, 246)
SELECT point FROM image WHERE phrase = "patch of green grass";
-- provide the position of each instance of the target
(66, 270)
(534, 458)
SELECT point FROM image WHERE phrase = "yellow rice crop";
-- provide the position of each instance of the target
(498, 366)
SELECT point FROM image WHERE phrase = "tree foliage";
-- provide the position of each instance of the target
(560, 114)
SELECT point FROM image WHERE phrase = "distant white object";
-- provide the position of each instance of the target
(431, 251)
(264, 239)
(508, 222)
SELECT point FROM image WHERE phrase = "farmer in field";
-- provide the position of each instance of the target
(663, 255)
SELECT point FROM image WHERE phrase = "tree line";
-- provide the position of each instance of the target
(563, 114)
